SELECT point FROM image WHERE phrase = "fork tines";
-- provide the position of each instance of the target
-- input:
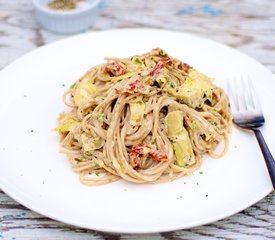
(245, 104)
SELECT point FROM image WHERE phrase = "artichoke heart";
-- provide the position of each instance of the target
(137, 108)
(67, 122)
(193, 89)
(84, 90)
(89, 143)
(162, 77)
(180, 139)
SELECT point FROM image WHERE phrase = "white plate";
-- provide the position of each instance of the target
(34, 173)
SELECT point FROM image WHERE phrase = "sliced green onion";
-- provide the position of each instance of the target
(162, 53)
(100, 116)
(193, 124)
(73, 85)
(137, 60)
(171, 84)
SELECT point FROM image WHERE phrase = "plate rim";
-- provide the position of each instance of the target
(202, 222)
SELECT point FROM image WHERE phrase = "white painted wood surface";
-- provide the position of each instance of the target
(246, 25)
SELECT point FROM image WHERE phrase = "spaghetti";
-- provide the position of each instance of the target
(146, 119)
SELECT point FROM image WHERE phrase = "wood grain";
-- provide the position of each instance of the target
(248, 26)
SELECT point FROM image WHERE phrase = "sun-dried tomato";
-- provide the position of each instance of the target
(184, 66)
(167, 60)
(115, 69)
(140, 152)
(215, 97)
(156, 69)
(134, 86)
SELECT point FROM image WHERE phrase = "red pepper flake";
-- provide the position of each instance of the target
(215, 97)
(134, 86)
(156, 69)
(118, 91)
(137, 84)
(159, 156)
(115, 69)
(184, 66)
(167, 60)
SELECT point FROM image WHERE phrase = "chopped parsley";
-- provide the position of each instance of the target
(185, 165)
(97, 173)
(100, 116)
(162, 53)
(171, 84)
(215, 124)
(200, 172)
(137, 60)
(73, 85)
(210, 97)
(193, 124)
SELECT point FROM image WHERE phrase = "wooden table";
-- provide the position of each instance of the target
(248, 26)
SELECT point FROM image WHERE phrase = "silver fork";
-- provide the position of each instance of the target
(247, 113)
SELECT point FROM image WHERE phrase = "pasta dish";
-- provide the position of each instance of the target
(146, 119)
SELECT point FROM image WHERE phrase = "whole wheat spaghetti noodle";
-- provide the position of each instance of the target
(146, 119)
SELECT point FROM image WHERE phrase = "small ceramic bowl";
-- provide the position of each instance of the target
(67, 21)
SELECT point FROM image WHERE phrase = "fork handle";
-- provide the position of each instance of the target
(269, 160)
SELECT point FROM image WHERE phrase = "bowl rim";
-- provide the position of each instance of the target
(48, 11)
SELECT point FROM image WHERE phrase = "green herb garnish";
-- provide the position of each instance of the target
(73, 85)
(97, 173)
(171, 84)
(162, 53)
(137, 60)
(200, 172)
(193, 124)
(210, 98)
(100, 116)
